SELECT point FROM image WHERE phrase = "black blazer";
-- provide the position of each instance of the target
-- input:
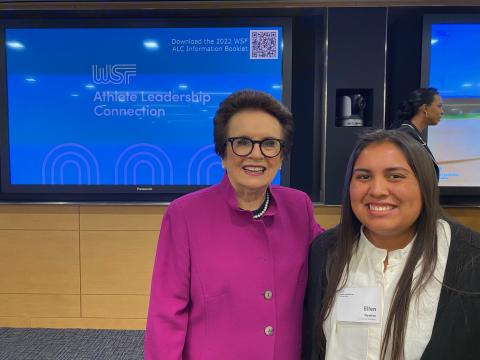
(410, 129)
(456, 331)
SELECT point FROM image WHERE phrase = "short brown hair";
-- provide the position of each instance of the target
(250, 100)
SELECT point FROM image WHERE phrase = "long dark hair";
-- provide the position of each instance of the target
(409, 107)
(424, 247)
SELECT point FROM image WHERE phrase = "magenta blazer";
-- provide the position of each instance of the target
(226, 286)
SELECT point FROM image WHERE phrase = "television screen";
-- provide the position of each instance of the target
(451, 64)
(127, 108)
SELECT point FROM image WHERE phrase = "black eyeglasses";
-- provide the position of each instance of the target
(243, 146)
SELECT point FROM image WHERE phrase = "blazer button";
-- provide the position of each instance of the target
(268, 330)
(267, 295)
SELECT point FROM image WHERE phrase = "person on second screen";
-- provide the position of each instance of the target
(231, 263)
(395, 279)
(423, 107)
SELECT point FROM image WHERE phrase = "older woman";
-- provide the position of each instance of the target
(396, 279)
(423, 107)
(231, 264)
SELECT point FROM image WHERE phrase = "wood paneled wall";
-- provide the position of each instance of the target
(76, 266)
(80, 266)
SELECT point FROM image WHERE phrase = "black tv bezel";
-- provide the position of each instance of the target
(450, 195)
(158, 193)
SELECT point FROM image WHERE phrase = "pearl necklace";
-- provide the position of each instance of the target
(265, 207)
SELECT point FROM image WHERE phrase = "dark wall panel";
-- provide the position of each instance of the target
(306, 75)
(356, 60)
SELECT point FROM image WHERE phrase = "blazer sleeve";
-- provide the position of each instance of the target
(456, 330)
(167, 319)
(313, 339)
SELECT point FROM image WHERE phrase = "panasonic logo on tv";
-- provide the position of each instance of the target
(144, 188)
(113, 73)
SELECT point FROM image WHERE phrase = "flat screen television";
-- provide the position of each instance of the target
(92, 110)
(451, 63)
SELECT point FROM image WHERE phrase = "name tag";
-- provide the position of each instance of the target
(359, 305)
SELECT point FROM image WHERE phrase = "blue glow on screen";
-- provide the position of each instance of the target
(128, 106)
(455, 72)
(455, 59)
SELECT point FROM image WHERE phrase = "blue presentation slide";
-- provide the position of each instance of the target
(128, 106)
(454, 71)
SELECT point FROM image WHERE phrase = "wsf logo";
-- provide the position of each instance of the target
(113, 73)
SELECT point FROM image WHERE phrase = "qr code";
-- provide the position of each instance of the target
(263, 44)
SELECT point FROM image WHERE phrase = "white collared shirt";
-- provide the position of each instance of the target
(358, 341)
